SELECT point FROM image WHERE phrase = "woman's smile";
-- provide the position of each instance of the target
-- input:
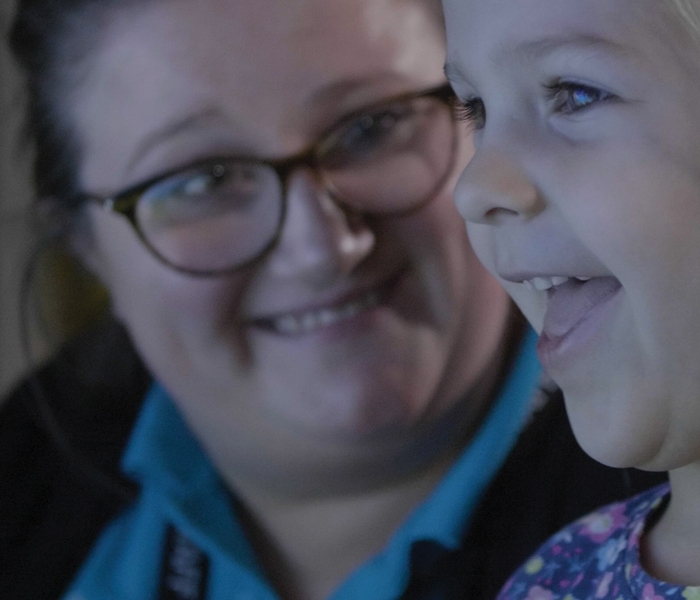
(323, 314)
(302, 322)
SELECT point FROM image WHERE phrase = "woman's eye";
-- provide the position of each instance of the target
(374, 135)
(197, 185)
(471, 111)
(371, 131)
(569, 97)
(219, 178)
(187, 185)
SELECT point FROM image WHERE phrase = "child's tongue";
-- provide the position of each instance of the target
(570, 302)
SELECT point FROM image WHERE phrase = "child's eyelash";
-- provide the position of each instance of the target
(569, 97)
(471, 111)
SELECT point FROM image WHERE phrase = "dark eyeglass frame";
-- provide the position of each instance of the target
(126, 201)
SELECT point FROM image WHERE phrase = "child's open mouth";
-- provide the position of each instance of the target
(576, 310)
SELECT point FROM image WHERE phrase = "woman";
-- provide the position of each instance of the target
(265, 190)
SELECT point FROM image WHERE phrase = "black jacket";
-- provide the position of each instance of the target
(54, 504)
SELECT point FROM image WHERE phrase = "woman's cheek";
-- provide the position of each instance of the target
(178, 320)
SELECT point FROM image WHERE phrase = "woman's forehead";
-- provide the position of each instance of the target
(258, 48)
(258, 70)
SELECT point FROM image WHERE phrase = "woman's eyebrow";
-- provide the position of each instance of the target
(173, 128)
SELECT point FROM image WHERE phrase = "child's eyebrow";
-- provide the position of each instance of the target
(538, 49)
(534, 50)
(453, 72)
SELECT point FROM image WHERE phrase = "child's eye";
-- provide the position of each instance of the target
(471, 111)
(569, 97)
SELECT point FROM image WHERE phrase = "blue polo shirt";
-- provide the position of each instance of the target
(181, 539)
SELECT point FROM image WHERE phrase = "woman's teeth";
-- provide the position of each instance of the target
(314, 319)
(545, 283)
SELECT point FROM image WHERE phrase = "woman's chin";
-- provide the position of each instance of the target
(351, 410)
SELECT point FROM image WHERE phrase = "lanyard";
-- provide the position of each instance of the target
(184, 572)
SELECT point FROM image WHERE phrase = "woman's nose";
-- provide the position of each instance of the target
(493, 188)
(319, 238)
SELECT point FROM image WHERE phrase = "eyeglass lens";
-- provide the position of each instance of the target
(216, 217)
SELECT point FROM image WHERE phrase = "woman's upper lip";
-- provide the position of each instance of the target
(327, 300)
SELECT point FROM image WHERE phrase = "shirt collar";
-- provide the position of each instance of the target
(162, 454)
(165, 458)
(445, 516)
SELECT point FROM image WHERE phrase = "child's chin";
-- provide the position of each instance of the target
(613, 438)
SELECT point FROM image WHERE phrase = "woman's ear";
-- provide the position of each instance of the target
(81, 244)
(69, 282)
(51, 217)
(70, 228)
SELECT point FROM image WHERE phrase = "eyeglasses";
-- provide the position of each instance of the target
(219, 215)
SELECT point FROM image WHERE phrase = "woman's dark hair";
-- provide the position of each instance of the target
(52, 41)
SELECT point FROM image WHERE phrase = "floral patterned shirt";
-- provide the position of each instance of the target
(597, 558)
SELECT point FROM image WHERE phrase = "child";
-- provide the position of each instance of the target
(584, 198)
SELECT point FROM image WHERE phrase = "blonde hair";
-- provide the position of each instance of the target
(689, 13)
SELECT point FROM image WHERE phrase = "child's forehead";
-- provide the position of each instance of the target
(519, 31)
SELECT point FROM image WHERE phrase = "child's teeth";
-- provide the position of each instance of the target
(545, 283)
(541, 283)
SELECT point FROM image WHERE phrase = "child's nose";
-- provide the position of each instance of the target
(493, 187)
(319, 238)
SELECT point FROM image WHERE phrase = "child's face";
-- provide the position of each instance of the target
(588, 166)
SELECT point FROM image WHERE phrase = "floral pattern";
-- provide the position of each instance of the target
(597, 558)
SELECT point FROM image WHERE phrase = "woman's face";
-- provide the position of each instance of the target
(416, 318)
(584, 198)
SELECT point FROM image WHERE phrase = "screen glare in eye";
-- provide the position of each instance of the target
(197, 185)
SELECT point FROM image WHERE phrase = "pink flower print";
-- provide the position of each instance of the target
(539, 593)
(635, 534)
(648, 593)
(604, 586)
(599, 526)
